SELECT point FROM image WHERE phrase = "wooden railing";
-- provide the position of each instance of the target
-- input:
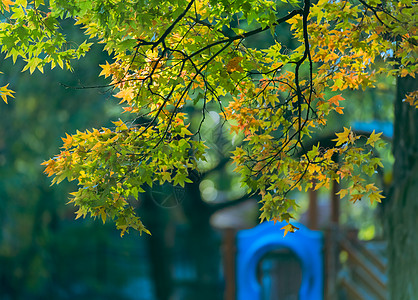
(363, 273)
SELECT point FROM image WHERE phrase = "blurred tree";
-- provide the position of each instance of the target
(402, 207)
(42, 254)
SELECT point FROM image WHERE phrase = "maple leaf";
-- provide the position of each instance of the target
(7, 3)
(67, 140)
(81, 212)
(379, 29)
(106, 70)
(404, 72)
(289, 228)
(356, 197)
(412, 99)
(375, 196)
(233, 65)
(342, 193)
(371, 187)
(5, 92)
(126, 95)
(336, 100)
(126, 109)
(342, 137)
(373, 138)
(344, 171)
(103, 215)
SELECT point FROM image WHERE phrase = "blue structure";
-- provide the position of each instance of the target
(379, 126)
(253, 244)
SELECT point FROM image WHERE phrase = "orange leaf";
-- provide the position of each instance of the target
(336, 100)
(233, 65)
(125, 109)
(339, 110)
(7, 3)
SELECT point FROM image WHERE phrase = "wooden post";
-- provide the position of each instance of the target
(313, 209)
(335, 204)
(332, 250)
(229, 252)
(331, 263)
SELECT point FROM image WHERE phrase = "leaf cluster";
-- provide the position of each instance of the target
(169, 55)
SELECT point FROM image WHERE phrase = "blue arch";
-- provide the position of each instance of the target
(253, 244)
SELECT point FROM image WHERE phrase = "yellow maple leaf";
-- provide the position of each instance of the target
(339, 110)
(371, 187)
(342, 193)
(81, 212)
(342, 137)
(356, 197)
(5, 92)
(373, 138)
(375, 196)
(412, 98)
(67, 140)
(404, 72)
(106, 70)
(289, 228)
(126, 94)
(103, 215)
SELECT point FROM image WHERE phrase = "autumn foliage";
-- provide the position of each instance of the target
(168, 55)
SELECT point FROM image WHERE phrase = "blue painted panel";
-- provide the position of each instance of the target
(253, 244)
(379, 126)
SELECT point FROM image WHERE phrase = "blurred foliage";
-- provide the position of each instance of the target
(44, 253)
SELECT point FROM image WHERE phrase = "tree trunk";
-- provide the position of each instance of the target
(401, 211)
(156, 219)
(203, 246)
